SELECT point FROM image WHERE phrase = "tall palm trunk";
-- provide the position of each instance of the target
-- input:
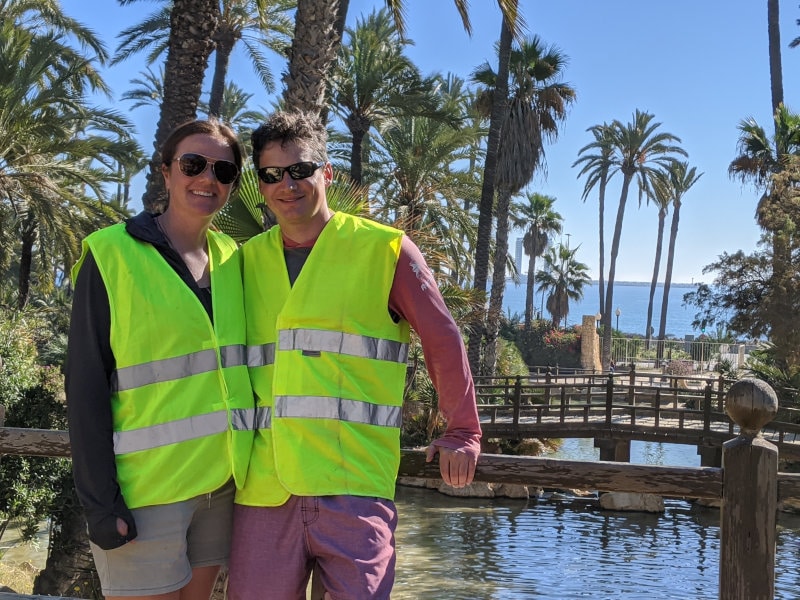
(781, 254)
(314, 46)
(192, 25)
(529, 285)
(673, 235)
(662, 215)
(223, 46)
(775, 69)
(483, 242)
(601, 230)
(358, 126)
(28, 239)
(612, 268)
(498, 282)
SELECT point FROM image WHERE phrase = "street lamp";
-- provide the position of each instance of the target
(618, 312)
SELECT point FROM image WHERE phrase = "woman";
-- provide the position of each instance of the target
(159, 403)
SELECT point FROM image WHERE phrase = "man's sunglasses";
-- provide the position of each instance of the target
(301, 170)
(192, 165)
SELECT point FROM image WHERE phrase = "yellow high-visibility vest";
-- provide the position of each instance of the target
(327, 364)
(181, 401)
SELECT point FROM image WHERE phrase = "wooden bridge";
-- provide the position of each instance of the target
(619, 407)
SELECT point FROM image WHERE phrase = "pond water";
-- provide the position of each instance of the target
(504, 549)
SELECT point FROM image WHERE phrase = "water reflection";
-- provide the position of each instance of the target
(503, 549)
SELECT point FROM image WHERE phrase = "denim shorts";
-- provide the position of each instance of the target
(172, 540)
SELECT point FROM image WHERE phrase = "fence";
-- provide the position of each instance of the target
(698, 355)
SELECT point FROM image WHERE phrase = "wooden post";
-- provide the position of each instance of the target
(632, 385)
(548, 377)
(749, 496)
(517, 398)
(707, 408)
(609, 397)
(721, 392)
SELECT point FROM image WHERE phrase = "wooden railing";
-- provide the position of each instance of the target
(623, 405)
(748, 488)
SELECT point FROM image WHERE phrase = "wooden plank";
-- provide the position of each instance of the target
(33, 442)
(676, 482)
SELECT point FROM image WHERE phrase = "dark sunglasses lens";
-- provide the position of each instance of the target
(192, 164)
(270, 174)
(225, 171)
(301, 170)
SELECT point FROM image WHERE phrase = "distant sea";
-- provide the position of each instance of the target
(630, 297)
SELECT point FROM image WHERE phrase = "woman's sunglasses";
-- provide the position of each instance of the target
(192, 165)
(301, 170)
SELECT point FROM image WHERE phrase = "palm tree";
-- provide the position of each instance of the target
(257, 24)
(194, 30)
(373, 80)
(539, 221)
(764, 162)
(562, 278)
(318, 35)
(663, 198)
(149, 90)
(678, 179)
(477, 327)
(599, 169)
(54, 148)
(759, 156)
(192, 25)
(40, 17)
(233, 110)
(538, 103)
(416, 186)
(639, 150)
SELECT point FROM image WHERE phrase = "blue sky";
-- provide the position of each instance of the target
(699, 67)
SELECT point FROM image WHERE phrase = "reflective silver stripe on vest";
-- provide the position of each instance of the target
(318, 340)
(173, 432)
(181, 430)
(323, 407)
(260, 356)
(234, 355)
(243, 419)
(263, 417)
(178, 367)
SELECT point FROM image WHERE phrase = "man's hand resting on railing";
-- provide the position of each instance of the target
(456, 466)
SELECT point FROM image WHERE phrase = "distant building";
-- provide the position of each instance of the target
(518, 255)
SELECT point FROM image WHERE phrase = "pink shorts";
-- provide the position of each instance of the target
(350, 538)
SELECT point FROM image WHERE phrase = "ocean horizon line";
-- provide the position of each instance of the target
(524, 277)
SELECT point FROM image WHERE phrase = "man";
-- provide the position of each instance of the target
(328, 299)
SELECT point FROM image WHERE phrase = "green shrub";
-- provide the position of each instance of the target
(18, 367)
(509, 360)
(29, 485)
(542, 345)
(33, 398)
